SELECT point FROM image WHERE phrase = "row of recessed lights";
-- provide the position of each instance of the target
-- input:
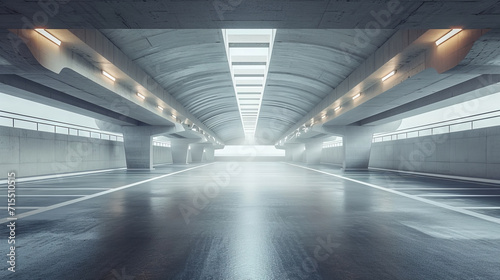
(140, 95)
(441, 40)
(58, 42)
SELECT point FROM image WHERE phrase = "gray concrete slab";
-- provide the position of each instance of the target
(254, 221)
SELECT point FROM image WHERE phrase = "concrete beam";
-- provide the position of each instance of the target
(313, 152)
(425, 64)
(130, 78)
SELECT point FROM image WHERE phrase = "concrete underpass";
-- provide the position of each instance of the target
(249, 140)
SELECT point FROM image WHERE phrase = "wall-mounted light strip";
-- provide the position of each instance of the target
(447, 36)
(49, 36)
(337, 108)
(159, 107)
(108, 76)
(141, 96)
(388, 76)
(356, 96)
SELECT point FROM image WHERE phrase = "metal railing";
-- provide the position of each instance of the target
(15, 120)
(453, 125)
(161, 144)
(332, 144)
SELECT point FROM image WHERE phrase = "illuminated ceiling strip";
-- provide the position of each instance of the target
(388, 75)
(49, 36)
(249, 53)
(108, 76)
(447, 36)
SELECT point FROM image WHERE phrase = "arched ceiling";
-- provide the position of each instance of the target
(306, 65)
(192, 66)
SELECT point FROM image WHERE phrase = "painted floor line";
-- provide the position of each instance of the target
(58, 205)
(446, 189)
(22, 207)
(479, 181)
(46, 195)
(58, 189)
(482, 208)
(421, 199)
(44, 178)
(457, 195)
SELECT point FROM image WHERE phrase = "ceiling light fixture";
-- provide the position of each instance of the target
(336, 109)
(49, 36)
(141, 96)
(108, 76)
(388, 75)
(447, 36)
(159, 107)
(356, 96)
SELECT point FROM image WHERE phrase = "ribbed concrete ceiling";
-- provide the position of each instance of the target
(192, 66)
(177, 14)
(306, 66)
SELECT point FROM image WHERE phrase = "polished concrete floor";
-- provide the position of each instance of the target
(254, 221)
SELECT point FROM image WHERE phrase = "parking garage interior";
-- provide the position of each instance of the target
(250, 140)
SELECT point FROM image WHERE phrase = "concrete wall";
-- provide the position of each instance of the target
(473, 153)
(161, 155)
(33, 153)
(333, 155)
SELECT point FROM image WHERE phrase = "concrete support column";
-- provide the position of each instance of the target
(180, 150)
(138, 143)
(288, 155)
(357, 143)
(294, 152)
(210, 153)
(202, 152)
(313, 152)
(197, 153)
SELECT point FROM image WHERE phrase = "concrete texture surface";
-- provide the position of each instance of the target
(255, 221)
(473, 153)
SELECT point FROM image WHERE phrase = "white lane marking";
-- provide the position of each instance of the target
(457, 195)
(445, 189)
(479, 181)
(59, 176)
(482, 208)
(421, 199)
(58, 189)
(45, 195)
(69, 202)
(22, 207)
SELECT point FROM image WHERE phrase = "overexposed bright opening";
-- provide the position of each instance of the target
(12, 104)
(249, 150)
(458, 111)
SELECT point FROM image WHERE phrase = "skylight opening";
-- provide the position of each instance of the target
(249, 53)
